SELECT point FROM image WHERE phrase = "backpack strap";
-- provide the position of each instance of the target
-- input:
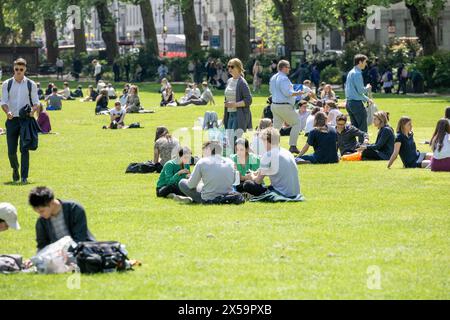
(10, 83)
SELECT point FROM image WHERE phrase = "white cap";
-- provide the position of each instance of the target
(8, 213)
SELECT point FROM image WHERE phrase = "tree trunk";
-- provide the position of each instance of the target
(293, 39)
(27, 30)
(149, 25)
(190, 27)
(242, 46)
(425, 29)
(79, 39)
(51, 40)
(108, 28)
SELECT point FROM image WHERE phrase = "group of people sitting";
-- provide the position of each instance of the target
(217, 178)
(192, 95)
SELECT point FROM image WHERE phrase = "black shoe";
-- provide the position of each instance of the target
(24, 181)
(16, 175)
(293, 149)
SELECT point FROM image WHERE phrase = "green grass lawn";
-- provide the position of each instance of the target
(357, 215)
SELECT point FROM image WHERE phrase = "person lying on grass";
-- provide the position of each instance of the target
(57, 218)
(278, 164)
(323, 139)
(216, 172)
(384, 145)
(405, 146)
(8, 217)
(172, 173)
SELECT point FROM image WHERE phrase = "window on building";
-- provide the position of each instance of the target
(440, 32)
(211, 6)
(407, 23)
(220, 5)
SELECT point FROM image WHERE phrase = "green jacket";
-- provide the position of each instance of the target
(252, 163)
(169, 174)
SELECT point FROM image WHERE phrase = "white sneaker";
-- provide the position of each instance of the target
(171, 195)
(182, 199)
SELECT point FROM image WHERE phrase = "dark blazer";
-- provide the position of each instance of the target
(76, 222)
(244, 114)
(29, 129)
(384, 145)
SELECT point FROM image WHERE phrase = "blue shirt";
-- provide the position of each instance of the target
(408, 151)
(281, 89)
(354, 87)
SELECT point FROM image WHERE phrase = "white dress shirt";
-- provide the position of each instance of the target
(18, 95)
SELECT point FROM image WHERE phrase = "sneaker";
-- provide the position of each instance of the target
(16, 175)
(182, 199)
(24, 181)
(247, 196)
(171, 195)
(293, 149)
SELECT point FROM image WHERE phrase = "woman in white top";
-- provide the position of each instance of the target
(440, 144)
(327, 93)
(257, 71)
(310, 120)
(333, 112)
(257, 145)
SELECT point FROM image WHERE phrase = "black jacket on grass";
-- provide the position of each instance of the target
(76, 222)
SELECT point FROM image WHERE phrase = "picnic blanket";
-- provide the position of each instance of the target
(273, 196)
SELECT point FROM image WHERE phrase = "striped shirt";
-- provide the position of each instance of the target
(59, 225)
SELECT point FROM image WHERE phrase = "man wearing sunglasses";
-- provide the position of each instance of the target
(18, 92)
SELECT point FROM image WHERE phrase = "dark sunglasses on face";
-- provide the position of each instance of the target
(232, 67)
(19, 69)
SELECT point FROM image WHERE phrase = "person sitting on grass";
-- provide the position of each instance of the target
(49, 89)
(195, 91)
(333, 112)
(66, 93)
(165, 146)
(117, 115)
(310, 120)
(111, 91)
(440, 144)
(216, 172)
(8, 217)
(54, 101)
(101, 103)
(164, 85)
(279, 165)
(308, 92)
(168, 98)
(327, 94)
(245, 161)
(347, 134)
(323, 138)
(384, 145)
(205, 98)
(91, 96)
(133, 104)
(57, 218)
(78, 93)
(303, 114)
(43, 120)
(124, 96)
(40, 92)
(257, 145)
(172, 173)
(405, 146)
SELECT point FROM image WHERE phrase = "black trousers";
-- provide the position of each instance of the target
(253, 188)
(166, 190)
(370, 154)
(12, 138)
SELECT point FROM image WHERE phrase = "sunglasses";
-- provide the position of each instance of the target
(341, 123)
(19, 69)
(232, 67)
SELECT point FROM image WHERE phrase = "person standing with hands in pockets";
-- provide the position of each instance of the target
(18, 92)
(283, 97)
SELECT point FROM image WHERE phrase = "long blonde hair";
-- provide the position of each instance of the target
(237, 64)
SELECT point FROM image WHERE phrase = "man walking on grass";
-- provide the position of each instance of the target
(18, 92)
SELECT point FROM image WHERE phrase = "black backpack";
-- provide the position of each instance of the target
(145, 167)
(97, 257)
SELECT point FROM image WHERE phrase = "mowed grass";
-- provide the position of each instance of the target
(357, 215)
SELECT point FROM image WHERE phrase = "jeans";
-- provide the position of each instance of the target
(358, 114)
(12, 138)
(163, 192)
(232, 120)
(188, 192)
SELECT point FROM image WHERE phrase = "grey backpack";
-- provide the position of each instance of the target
(10, 263)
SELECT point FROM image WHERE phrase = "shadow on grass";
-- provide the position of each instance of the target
(17, 184)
